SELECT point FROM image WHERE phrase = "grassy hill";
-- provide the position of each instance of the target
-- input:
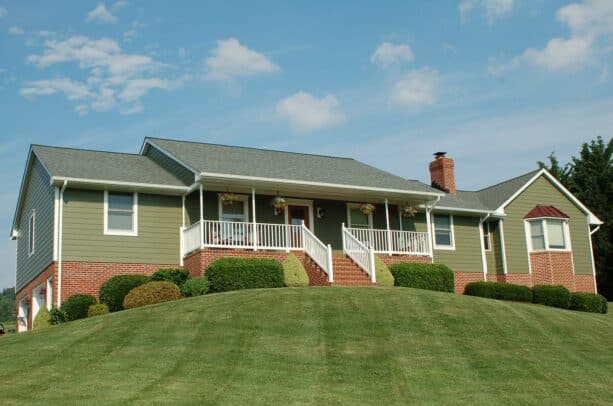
(317, 345)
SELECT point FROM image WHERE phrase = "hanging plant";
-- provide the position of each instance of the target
(367, 208)
(279, 203)
(228, 198)
(408, 211)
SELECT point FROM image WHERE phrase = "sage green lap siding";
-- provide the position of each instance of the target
(467, 254)
(494, 256)
(159, 219)
(542, 191)
(172, 166)
(40, 197)
(417, 223)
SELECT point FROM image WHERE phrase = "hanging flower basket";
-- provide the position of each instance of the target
(228, 198)
(408, 211)
(279, 203)
(367, 208)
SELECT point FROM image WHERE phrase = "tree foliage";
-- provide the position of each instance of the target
(590, 177)
(7, 304)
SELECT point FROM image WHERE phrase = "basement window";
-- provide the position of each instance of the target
(548, 234)
(120, 213)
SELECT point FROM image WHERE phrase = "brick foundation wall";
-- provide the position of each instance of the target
(518, 279)
(585, 283)
(553, 268)
(461, 279)
(395, 259)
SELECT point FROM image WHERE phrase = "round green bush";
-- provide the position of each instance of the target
(97, 310)
(57, 316)
(588, 302)
(195, 287)
(151, 293)
(244, 273)
(76, 306)
(551, 295)
(176, 276)
(114, 290)
(294, 274)
(42, 319)
(500, 291)
(382, 271)
(423, 276)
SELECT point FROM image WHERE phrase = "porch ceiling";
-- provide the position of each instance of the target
(316, 191)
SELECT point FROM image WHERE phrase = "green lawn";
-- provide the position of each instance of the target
(317, 345)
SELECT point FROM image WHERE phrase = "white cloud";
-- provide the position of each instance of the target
(72, 89)
(130, 34)
(306, 112)
(387, 54)
(101, 15)
(114, 77)
(15, 31)
(593, 17)
(3, 12)
(137, 108)
(230, 59)
(492, 9)
(416, 89)
(560, 54)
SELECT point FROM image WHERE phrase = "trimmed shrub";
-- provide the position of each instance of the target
(97, 310)
(42, 319)
(551, 295)
(588, 302)
(151, 293)
(57, 316)
(76, 306)
(383, 274)
(244, 273)
(195, 287)
(423, 276)
(294, 274)
(501, 291)
(114, 290)
(176, 276)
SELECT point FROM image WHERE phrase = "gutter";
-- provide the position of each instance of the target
(59, 249)
(594, 230)
(483, 258)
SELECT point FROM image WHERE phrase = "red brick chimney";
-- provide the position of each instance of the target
(442, 173)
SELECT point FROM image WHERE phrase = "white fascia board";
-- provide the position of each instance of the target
(168, 154)
(593, 219)
(309, 183)
(103, 182)
(462, 210)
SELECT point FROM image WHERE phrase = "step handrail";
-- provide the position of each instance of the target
(318, 251)
(361, 254)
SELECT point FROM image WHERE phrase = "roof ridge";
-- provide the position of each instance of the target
(508, 180)
(252, 148)
(86, 150)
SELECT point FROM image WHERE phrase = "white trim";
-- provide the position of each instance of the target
(242, 198)
(168, 154)
(131, 233)
(32, 233)
(589, 236)
(482, 246)
(60, 245)
(309, 183)
(387, 225)
(300, 202)
(56, 214)
(452, 229)
(49, 293)
(452, 209)
(591, 216)
(503, 247)
(253, 218)
(104, 182)
(357, 206)
(547, 248)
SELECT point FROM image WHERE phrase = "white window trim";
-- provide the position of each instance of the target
(300, 202)
(489, 236)
(565, 230)
(32, 233)
(49, 293)
(357, 206)
(134, 231)
(243, 198)
(451, 226)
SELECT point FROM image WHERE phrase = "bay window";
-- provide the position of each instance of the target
(548, 234)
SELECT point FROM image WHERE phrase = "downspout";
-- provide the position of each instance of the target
(481, 236)
(592, 253)
(59, 242)
(429, 225)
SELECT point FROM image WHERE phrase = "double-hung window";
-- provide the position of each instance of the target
(121, 213)
(234, 211)
(487, 239)
(443, 232)
(31, 233)
(548, 234)
(357, 219)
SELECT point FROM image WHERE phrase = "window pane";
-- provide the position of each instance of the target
(442, 223)
(555, 232)
(486, 236)
(121, 201)
(537, 236)
(233, 212)
(358, 219)
(442, 230)
(120, 221)
(442, 237)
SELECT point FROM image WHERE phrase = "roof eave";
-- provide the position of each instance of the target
(138, 186)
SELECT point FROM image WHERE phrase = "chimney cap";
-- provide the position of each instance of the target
(440, 154)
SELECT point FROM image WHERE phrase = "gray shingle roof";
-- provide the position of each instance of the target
(103, 166)
(493, 196)
(463, 200)
(223, 159)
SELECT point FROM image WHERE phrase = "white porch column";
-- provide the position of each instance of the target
(201, 219)
(429, 225)
(255, 229)
(387, 223)
(482, 245)
(183, 211)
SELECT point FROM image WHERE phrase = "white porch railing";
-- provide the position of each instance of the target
(241, 235)
(362, 255)
(393, 241)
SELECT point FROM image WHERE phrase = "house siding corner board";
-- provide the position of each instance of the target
(157, 242)
(467, 254)
(39, 197)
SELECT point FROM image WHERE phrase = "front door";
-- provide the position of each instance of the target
(295, 216)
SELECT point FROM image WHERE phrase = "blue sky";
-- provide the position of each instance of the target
(499, 84)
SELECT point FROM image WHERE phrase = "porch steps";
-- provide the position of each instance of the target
(347, 273)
